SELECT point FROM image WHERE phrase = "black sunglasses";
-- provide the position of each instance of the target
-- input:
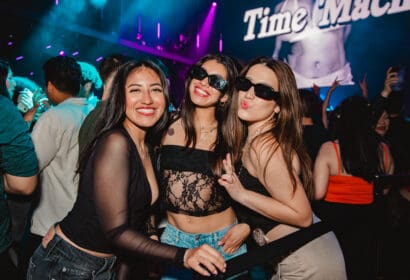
(215, 81)
(261, 90)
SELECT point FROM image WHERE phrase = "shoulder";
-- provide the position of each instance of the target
(115, 138)
(175, 133)
(263, 151)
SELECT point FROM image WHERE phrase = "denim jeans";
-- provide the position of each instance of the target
(60, 260)
(176, 237)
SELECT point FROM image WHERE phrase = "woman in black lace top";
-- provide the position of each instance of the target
(198, 209)
(274, 180)
(117, 190)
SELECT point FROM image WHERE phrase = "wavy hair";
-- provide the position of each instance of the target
(287, 128)
(228, 136)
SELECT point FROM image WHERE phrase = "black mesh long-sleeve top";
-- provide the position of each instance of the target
(114, 203)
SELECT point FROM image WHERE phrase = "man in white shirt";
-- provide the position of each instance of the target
(55, 138)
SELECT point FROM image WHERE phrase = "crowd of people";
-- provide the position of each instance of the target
(121, 187)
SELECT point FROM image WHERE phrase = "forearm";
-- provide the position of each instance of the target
(276, 210)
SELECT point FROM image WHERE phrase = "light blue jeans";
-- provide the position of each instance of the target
(176, 237)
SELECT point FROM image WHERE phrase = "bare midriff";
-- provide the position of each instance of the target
(203, 224)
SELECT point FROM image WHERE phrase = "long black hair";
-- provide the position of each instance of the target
(113, 113)
(359, 146)
(4, 71)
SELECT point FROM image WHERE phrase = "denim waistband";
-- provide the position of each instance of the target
(214, 236)
(77, 256)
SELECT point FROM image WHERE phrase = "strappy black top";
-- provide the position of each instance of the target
(187, 183)
(254, 219)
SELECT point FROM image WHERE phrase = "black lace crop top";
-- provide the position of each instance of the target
(187, 183)
(246, 215)
(113, 205)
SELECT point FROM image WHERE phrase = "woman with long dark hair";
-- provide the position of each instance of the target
(118, 190)
(343, 173)
(273, 180)
(198, 210)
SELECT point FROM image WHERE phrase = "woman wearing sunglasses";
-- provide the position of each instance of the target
(273, 181)
(198, 210)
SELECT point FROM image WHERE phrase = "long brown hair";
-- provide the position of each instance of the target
(287, 124)
(228, 136)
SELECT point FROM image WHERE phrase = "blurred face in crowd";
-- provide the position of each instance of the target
(383, 124)
(10, 83)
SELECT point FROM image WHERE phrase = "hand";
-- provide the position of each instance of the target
(363, 86)
(334, 85)
(203, 259)
(230, 180)
(234, 238)
(391, 79)
(154, 237)
(316, 89)
(25, 100)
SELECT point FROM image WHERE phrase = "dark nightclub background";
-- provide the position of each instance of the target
(178, 32)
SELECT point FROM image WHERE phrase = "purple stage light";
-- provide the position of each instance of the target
(205, 31)
(31, 73)
(56, 2)
(19, 57)
(197, 41)
(48, 47)
(220, 45)
(99, 59)
(10, 43)
(62, 53)
(214, 4)
(181, 37)
(158, 30)
(75, 53)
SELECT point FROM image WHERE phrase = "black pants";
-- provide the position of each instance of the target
(6, 266)
(26, 251)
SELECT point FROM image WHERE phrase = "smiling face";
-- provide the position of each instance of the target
(201, 93)
(145, 100)
(254, 109)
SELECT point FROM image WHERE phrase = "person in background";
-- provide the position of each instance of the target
(343, 175)
(107, 69)
(55, 138)
(118, 190)
(9, 82)
(18, 165)
(272, 181)
(198, 210)
(314, 134)
(90, 82)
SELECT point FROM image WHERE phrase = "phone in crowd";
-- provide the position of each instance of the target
(400, 74)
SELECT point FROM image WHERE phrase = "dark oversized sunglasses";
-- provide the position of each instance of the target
(215, 81)
(261, 90)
